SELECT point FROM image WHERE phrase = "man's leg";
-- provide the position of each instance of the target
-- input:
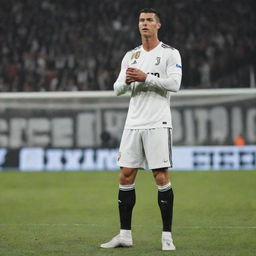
(165, 202)
(126, 196)
(126, 202)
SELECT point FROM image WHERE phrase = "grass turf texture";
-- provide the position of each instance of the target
(71, 213)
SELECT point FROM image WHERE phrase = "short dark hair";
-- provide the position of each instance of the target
(151, 10)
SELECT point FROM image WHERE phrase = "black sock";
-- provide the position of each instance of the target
(165, 202)
(126, 202)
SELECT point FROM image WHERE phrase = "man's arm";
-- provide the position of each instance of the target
(122, 83)
(172, 83)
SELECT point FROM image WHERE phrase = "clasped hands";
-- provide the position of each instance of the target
(135, 75)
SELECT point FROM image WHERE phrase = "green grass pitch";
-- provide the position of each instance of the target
(71, 213)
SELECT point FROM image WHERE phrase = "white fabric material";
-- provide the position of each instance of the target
(171, 84)
(150, 101)
(126, 187)
(148, 149)
(164, 187)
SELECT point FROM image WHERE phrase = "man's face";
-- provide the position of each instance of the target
(148, 24)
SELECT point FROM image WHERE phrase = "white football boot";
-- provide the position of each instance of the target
(121, 240)
(167, 242)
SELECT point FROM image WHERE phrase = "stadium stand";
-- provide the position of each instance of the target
(71, 45)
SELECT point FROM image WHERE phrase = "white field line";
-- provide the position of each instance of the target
(98, 225)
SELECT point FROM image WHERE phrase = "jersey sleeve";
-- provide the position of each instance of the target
(120, 86)
(174, 63)
(174, 74)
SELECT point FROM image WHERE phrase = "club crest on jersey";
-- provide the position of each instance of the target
(157, 60)
(136, 55)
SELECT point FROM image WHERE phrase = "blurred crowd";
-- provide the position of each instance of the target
(70, 45)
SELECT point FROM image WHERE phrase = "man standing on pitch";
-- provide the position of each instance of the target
(151, 71)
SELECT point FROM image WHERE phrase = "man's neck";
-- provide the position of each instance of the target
(149, 43)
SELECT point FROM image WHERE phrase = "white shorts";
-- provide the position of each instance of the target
(146, 148)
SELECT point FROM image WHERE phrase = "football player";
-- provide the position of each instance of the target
(150, 71)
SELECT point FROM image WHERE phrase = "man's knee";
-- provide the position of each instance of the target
(161, 176)
(127, 176)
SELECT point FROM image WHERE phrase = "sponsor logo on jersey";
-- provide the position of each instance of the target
(154, 74)
(157, 60)
(178, 66)
(134, 62)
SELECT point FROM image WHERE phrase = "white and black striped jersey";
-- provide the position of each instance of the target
(150, 101)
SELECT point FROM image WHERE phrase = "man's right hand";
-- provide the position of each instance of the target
(128, 79)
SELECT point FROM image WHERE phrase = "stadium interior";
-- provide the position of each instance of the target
(74, 45)
(61, 125)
